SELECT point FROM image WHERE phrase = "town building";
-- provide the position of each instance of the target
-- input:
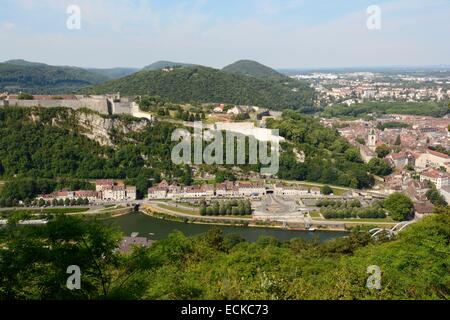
(445, 192)
(91, 195)
(251, 189)
(401, 159)
(104, 183)
(438, 178)
(315, 191)
(282, 190)
(227, 189)
(433, 159)
(115, 190)
(423, 209)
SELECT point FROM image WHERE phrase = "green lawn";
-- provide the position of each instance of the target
(180, 210)
(66, 210)
(315, 214)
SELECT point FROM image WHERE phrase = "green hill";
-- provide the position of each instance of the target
(21, 75)
(113, 73)
(252, 68)
(159, 65)
(202, 84)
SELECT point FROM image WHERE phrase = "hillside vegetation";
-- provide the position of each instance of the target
(159, 65)
(254, 69)
(202, 84)
(113, 73)
(59, 143)
(33, 264)
(329, 158)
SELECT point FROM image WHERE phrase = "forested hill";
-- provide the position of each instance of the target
(113, 73)
(159, 65)
(39, 78)
(252, 68)
(202, 84)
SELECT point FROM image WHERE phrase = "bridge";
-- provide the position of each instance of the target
(376, 232)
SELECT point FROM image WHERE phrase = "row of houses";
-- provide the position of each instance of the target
(91, 195)
(227, 189)
(421, 160)
(105, 190)
(282, 190)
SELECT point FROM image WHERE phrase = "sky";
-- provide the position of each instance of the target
(278, 33)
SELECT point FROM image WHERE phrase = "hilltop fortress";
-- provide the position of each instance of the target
(103, 104)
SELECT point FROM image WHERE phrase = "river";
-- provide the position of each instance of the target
(157, 229)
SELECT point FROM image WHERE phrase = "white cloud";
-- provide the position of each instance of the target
(8, 25)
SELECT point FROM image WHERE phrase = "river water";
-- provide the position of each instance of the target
(157, 229)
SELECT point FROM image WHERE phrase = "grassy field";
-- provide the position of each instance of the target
(180, 210)
(315, 215)
(66, 210)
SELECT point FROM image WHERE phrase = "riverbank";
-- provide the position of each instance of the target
(162, 213)
(154, 228)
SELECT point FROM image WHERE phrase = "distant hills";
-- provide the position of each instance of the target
(159, 65)
(40, 78)
(243, 82)
(252, 68)
(32, 77)
(113, 73)
(203, 84)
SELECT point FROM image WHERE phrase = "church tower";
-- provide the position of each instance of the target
(372, 140)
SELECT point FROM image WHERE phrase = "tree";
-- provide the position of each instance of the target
(25, 96)
(353, 155)
(36, 268)
(379, 167)
(398, 141)
(399, 206)
(441, 210)
(326, 190)
(435, 197)
(382, 151)
(186, 179)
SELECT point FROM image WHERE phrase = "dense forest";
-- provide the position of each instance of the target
(254, 69)
(159, 65)
(202, 84)
(34, 261)
(430, 108)
(34, 145)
